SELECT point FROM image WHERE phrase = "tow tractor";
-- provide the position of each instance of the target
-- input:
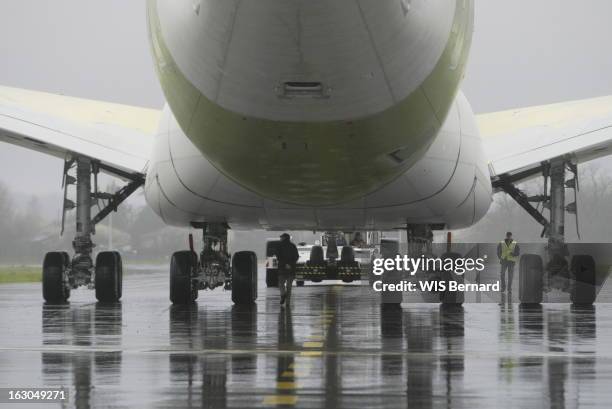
(330, 258)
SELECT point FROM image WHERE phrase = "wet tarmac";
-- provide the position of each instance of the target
(334, 348)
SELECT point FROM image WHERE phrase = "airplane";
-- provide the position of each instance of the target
(306, 115)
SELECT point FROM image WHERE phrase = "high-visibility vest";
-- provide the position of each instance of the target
(507, 251)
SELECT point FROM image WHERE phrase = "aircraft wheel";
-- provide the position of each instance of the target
(67, 263)
(346, 280)
(244, 278)
(299, 283)
(55, 289)
(531, 279)
(455, 298)
(120, 264)
(109, 275)
(271, 277)
(584, 280)
(182, 266)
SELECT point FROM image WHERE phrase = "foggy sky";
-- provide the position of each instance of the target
(524, 53)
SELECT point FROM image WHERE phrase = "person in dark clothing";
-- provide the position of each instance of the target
(358, 240)
(508, 252)
(287, 256)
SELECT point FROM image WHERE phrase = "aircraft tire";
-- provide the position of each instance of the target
(583, 280)
(182, 264)
(109, 276)
(55, 290)
(244, 278)
(531, 279)
(271, 277)
(120, 264)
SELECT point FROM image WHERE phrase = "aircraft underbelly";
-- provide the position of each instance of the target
(339, 97)
(449, 185)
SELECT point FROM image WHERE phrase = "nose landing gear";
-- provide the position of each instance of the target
(190, 274)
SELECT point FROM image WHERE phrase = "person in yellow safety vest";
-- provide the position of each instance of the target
(508, 252)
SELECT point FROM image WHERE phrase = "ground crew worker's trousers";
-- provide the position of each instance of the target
(285, 282)
(509, 267)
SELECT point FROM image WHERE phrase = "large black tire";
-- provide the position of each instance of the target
(55, 289)
(271, 277)
(120, 264)
(108, 277)
(67, 263)
(299, 283)
(244, 278)
(347, 255)
(584, 280)
(182, 266)
(66, 257)
(316, 255)
(347, 260)
(452, 298)
(531, 279)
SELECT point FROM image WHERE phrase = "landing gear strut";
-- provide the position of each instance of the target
(535, 277)
(82, 263)
(215, 258)
(420, 242)
(189, 273)
(419, 239)
(60, 272)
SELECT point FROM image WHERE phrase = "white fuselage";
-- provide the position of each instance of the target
(363, 59)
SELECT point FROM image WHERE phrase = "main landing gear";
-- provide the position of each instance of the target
(538, 275)
(189, 273)
(420, 242)
(62, 273)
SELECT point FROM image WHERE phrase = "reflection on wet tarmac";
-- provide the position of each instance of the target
(87, 328)
(335, 347)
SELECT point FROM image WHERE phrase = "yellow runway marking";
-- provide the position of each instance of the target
(285, 385)
(280, 400)
(315, 341)
(301, 366)
(311, 353)
(316, 337)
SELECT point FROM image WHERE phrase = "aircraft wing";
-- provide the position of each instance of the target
(519, 140)
(118, 136)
